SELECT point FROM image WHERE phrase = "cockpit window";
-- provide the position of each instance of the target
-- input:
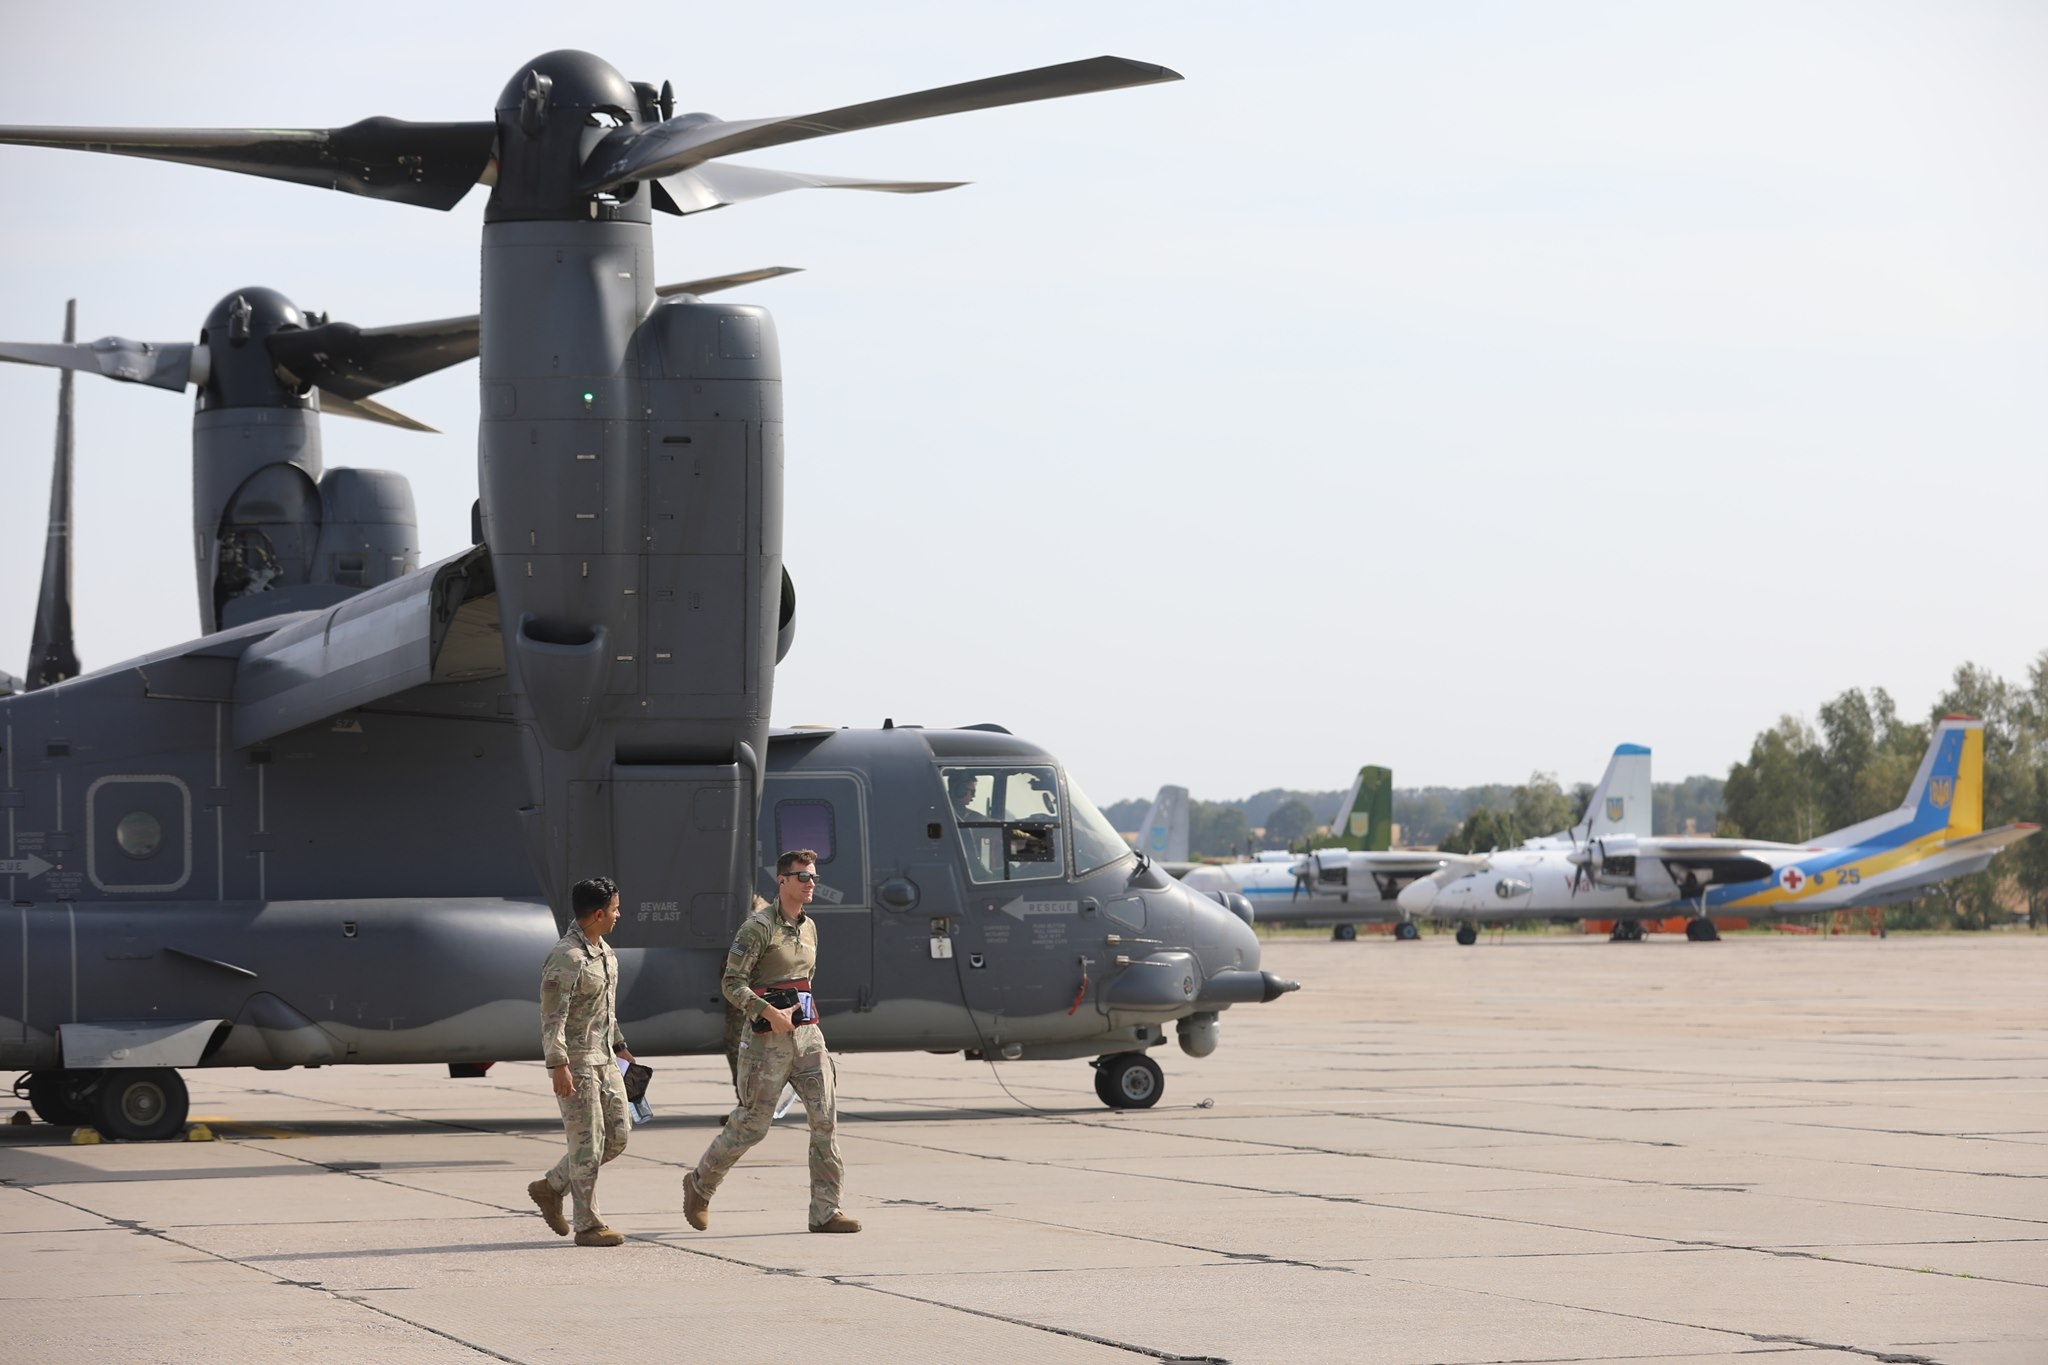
(1009, 821)
(1096, 842)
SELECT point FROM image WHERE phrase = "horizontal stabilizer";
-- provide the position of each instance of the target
(1991, 840)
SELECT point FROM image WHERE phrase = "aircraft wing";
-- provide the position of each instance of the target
(437, 624)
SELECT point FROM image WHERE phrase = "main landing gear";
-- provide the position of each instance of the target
(1702, 931)
(1626, 931)
(1406, 931)
(1468, 934)
(1128, 1080)
(138, 1104)
(1344, 933)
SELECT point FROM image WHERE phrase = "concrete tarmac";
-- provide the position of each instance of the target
(1796, 1151)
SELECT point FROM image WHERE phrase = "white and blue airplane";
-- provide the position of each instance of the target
(1937, 833)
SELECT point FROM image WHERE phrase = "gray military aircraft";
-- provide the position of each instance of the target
(348, 833)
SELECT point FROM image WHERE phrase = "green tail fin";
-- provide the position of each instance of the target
(1368, 814)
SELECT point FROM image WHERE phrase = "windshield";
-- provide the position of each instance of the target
(1009, 820)
(1096, 842)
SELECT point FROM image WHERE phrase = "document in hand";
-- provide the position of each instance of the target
(637, 1075)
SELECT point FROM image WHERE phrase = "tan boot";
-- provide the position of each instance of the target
(549, 1201)
(838, 1222)
(696, 1203)
(599, 1236)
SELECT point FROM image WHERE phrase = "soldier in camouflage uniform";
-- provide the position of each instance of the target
(579, 1037)
(776, 950)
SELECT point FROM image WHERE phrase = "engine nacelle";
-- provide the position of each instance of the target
(1616, 861)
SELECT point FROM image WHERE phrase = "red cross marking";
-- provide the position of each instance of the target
(1792, 879)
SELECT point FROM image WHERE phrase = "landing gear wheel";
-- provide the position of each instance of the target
(1702, 931)
(142, 1105)
(60, 1098)
(1344, 933)
(1626, 931)
(1467, 935)
(1129, 1080)
(1406, 931)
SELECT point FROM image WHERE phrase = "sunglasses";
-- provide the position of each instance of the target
(802, 876)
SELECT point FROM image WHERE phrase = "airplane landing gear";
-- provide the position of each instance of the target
(62, 1098)
(1344, 933)
(1468, 934)
(1702, 931)
(1626, 931)
(139, 1104)
(1129, 1080)
(1406, 931)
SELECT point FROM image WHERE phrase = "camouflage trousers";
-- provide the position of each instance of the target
(768, 1061)
(594, 1121)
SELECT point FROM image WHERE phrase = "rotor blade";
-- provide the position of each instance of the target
(160, 364)
(51, 656)
(678, 144)
(369, 410)
(431, 165)
(716, 283)
(354, 362)
(720, 183)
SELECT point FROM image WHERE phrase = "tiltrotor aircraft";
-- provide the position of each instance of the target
(338, 834)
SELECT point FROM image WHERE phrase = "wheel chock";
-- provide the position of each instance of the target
(199, 1132)
(84, 1137)
(20, 1117)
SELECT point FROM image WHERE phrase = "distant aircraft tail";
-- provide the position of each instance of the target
(1621, 803)
(1946, 798)
(1367, 812)
(1164, 836)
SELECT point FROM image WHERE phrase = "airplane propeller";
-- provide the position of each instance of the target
(433, 165)
(346, 363)
(52, 656)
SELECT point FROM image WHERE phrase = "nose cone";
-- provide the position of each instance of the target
(1418, 896)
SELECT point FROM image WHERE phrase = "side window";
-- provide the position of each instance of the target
(805, 824)
(1010, 823)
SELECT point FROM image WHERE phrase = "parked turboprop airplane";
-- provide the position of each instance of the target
(1376, 878)
(1935, 834)
(1283, 889)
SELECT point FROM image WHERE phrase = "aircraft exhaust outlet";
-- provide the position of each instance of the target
(1197, 1034)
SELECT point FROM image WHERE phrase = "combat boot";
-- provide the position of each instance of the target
(549, 1201)
(599, 1236)
(696, 1204)
(838, 1222)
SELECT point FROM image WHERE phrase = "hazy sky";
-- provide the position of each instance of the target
(1467, 388)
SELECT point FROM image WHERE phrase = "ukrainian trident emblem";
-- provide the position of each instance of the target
(1942, 789)
(1614, 809)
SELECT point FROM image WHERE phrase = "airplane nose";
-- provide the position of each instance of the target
(1418, 896)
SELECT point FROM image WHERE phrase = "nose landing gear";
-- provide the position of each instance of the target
(1468, 934)
(1406, 931)
(1344, 933)
(1128, 1080)
(1626, 931)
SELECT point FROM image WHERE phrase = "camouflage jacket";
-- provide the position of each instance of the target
(768, 949)
(579, 1002)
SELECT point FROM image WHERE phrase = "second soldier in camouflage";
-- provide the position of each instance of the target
(580, 1037)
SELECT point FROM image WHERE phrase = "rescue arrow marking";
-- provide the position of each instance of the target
(31, 866)
(1020, 907)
